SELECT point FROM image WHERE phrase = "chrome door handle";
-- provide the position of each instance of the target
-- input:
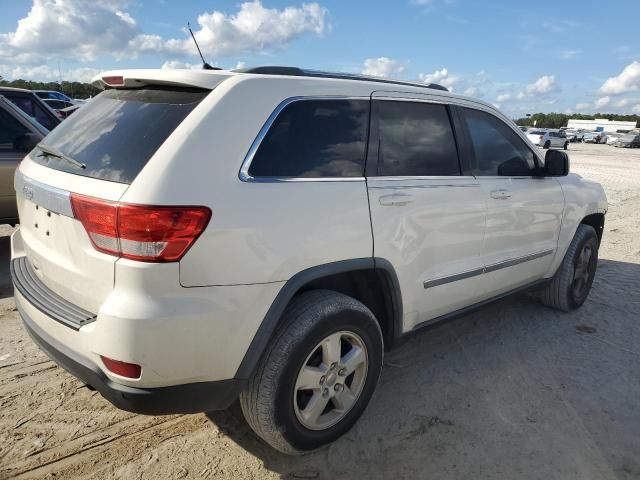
(500, 194)
(395, 200)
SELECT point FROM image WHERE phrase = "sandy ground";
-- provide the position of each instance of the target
(514, 391)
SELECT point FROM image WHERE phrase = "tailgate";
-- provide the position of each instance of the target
(57, 245)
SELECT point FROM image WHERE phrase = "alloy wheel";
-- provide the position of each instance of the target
(330, 381)
(582, 270)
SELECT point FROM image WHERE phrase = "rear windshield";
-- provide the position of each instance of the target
(537, 133)
(115, 134)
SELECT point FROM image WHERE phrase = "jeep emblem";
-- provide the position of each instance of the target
(27, 191)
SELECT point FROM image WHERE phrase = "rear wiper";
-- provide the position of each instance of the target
(51, 152)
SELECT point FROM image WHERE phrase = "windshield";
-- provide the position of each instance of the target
(115, 134)
(537, 133)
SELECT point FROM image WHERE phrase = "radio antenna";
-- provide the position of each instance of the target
(205, 65)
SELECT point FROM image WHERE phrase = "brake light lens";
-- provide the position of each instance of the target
(124, 369)
(140, 232)
(114, 81)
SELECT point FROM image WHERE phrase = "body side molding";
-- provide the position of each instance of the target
(487, 269)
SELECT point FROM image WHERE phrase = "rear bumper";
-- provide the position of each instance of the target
(188, 398)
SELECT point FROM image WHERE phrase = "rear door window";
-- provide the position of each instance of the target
(117, 132)
(414, 139)
(314, 139)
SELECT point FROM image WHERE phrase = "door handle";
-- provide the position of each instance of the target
(500, 194)
(395, 200)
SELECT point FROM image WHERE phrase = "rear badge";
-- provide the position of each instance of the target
(27, 191)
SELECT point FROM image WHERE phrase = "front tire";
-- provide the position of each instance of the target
(566, 145)
(571, 284)
(318, 374)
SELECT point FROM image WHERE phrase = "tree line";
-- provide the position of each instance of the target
(71, 89)
(557, 120)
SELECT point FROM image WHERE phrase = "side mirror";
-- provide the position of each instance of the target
(556, 163)
(26, 142)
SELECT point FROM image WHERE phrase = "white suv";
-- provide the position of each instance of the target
(549, 139)
(189, 238)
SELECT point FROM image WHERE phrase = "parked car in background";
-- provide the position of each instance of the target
(571, 135)
(65, 112)
(53, 95)
(548, 139)
(594, 137)
(57, 105)
(19, 133)
(612, 137)
(32, 105)
(629, 140)
(328, 228)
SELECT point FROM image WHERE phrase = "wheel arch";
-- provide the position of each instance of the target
(372, 281)
(596, 220)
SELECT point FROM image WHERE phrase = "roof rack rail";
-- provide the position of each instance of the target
(299, 72)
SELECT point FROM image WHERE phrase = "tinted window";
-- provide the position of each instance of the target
(57, 104)
(11, 132)
(498, 149)
(28, 105)
(117, 132)
(415, 139)
(315, 138)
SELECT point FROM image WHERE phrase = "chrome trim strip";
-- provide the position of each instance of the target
(516, 261)
(404, 187)
(246, 163)
(487, 269)
(408, 178)
(453, 278)
(51, 198)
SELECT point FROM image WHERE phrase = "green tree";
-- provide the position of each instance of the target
(71, 89)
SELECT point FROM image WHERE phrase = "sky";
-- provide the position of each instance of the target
(574, 56)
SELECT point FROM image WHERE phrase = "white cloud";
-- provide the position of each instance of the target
(46, 73)
(627, 81)
(442, 77)
(253, 28)
(503, 97)
(177, 64)
(636, 109)
(569, 54)
(545, 84)
(382, 67)
(81, 29)
(470, 91)
(602, 102)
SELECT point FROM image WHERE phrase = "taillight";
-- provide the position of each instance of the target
(541, 137)
(140, 232)
(124, 369)
(114, 81)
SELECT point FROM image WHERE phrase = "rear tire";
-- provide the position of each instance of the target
(304, 393)
(566, 145)
(571, 284)
(547, 145)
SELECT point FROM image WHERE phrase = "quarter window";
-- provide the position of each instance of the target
(497, 148)
(415, 139)
(313, 139)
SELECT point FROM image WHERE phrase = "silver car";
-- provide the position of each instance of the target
(548, 139)
(19, 133)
